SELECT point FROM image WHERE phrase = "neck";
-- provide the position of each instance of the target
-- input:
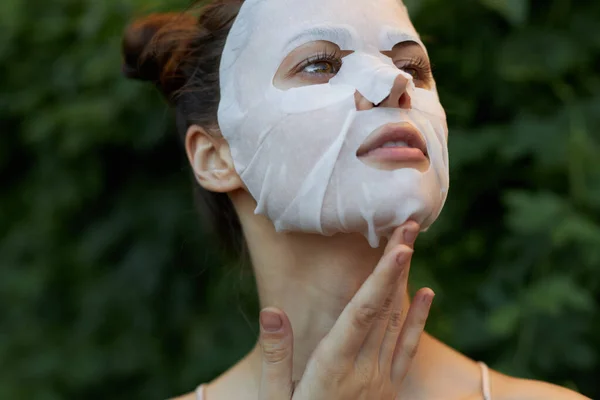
(312, 278)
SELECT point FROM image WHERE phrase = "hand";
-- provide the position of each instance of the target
(368, 352)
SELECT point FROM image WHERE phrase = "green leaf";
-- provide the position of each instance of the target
(554, 295)
(542, 137)
(505, 320)
(534, 213)
(539, 55)
(514, 11)
(579, 229)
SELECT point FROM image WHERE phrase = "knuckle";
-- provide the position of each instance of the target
(410, 351)
(275, 352)
(386, 308)
(421, 320)
(364, 315)
(395, 322)
(387, 304)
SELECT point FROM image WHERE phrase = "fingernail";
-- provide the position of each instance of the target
(270, 321)
(403, 257)
(428, 299)
(410, 235)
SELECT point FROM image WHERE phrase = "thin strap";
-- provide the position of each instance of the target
(485, 381)
(200, 392)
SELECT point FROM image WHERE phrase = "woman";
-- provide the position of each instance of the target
(317, 128)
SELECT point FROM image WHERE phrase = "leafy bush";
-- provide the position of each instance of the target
(110, 288)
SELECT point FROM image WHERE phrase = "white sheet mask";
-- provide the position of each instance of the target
(295, 149)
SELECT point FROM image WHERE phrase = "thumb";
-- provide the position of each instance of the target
(276, 342)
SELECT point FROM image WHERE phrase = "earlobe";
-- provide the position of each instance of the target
(211, 160)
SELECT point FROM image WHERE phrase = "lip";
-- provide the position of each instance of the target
(395, 132)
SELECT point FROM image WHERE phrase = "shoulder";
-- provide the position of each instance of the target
(508, 388)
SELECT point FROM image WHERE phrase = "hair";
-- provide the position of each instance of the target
(180, 53)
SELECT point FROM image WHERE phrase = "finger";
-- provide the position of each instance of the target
(405, 234)
(410, 231)
(395, 239)
(388, 318)
(396, 320)
(350, 330)
(276, 342)
(408, 342)
(370, 349)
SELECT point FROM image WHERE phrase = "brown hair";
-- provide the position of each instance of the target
(180, 53)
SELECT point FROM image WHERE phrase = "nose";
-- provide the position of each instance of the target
(398, 97)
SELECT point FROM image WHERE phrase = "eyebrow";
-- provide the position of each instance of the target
(340, 36)
(393, 37)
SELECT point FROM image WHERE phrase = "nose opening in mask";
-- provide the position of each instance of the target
(403, 102)
(398, 98)
(377, 80)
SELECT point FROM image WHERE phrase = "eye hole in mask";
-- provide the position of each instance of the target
(328, 63)
(410, 57)
(419, 69)
(317, 62)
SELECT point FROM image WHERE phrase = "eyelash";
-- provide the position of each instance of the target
(332, 57)
(420, 65)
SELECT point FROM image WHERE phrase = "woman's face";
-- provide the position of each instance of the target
(317, 62)
(332, 116)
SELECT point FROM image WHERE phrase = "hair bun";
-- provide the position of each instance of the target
(146, 51)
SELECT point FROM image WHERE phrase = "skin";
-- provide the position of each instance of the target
(313, 283)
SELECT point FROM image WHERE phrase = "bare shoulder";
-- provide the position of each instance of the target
(509, 388)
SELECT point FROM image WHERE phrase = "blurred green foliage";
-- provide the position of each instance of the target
(109, 288)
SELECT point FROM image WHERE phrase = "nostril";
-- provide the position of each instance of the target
(404, 101)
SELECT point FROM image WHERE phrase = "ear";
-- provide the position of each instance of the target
(211, 160)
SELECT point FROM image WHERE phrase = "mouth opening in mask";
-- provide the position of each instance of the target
(395, 146)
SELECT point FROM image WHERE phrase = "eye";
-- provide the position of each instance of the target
(324, 63)
(419, 69)
(412, 71)
(321, 67)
